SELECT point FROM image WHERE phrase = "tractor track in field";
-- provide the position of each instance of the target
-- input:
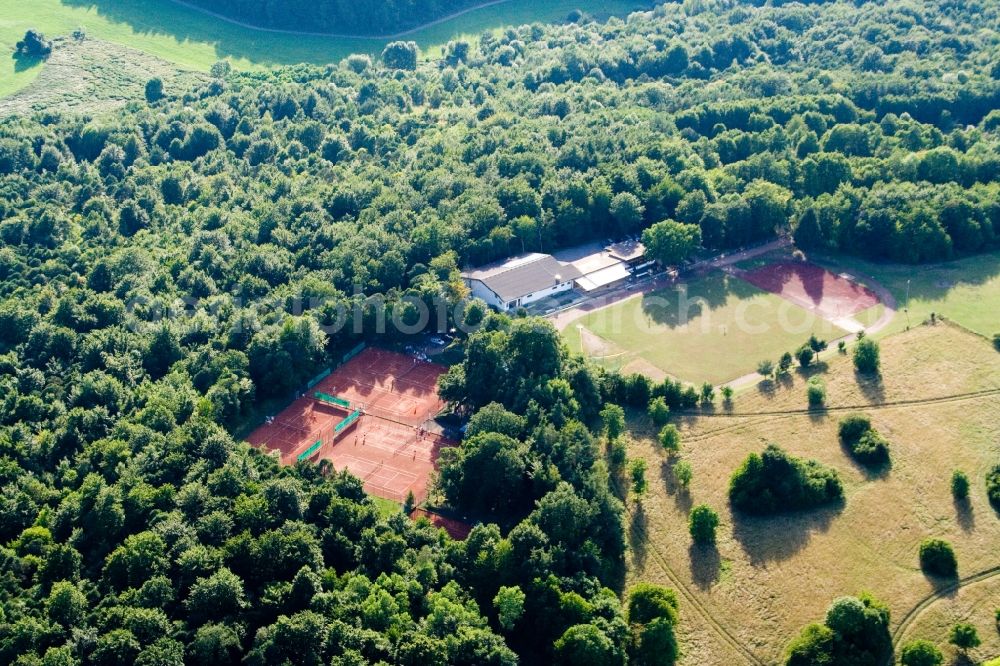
(756, 418)
(690, 598)
(771, 415)
(925, 603)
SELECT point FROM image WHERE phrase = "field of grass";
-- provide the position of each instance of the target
(966, 291)
(715, 331)
(386, 508)
(193, 40)
(768, 577)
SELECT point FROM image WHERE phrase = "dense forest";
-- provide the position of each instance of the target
(368, 17)
(166, 269)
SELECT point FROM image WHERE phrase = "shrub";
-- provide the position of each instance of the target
(765, 368)
(964, 636)
(34, 45)
(637, 469)
(784, 363)
(658, 410)
(670, 437)
(816, 392)
(842, 347)
(856, 631)
(921, 653)
(867, 357)
(865, 443)
(937, 558)
(805, 356)
(993, 487)
(996, 341)
(683, 473)
(702, 522)
(727, 394)
(154, 89)
(774, 481)
(959, 485)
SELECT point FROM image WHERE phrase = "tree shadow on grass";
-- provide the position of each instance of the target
(871, 387)
(963, 513)
(637, 535)
(706, 565)
(871, 470)
(23, 63)
(767, 387)
(681, 495)
(818, 414)
(767, 539)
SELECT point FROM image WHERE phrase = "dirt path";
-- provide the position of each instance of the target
(928, 601)
(562, 318)
(334, 35)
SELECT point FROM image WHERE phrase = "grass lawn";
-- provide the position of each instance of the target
(966, 291)
(767, 577)
(715, 331)
(192, 40)
(386, 508)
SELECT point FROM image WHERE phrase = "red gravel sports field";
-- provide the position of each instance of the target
(814, 288)
(371, 416)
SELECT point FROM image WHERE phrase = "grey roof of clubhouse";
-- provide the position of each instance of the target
(523, 275)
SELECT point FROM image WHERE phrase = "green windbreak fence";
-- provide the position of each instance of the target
(346, 422)
(360, 347)
(318, 378)
(311, 450)
(333, 400)
(354, 352)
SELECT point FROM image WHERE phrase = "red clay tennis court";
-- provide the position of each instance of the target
(813, 288)
(298, 427)
(380, 403)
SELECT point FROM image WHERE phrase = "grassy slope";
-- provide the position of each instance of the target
(193, 40)
(769, 577)
(712, 346)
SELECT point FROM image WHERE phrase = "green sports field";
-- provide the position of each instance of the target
(712, 329)
(193, 40)
(966, 291)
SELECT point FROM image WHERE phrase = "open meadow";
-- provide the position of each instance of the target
(713, 329)
(742, 601)
(194, 40)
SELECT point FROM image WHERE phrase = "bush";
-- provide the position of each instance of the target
(774, 482)
(658, 410)
(670, 437)
(856, 632)
(816, 392)
(154, 90)
(702, 522)
(959, 485)
(996, 341)
(993, 487)
(34, 45)
(921, 653)
(964, 636)
(937, 558)
(683, 473)
(865, 443)
(867, 357)
(805, 356)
